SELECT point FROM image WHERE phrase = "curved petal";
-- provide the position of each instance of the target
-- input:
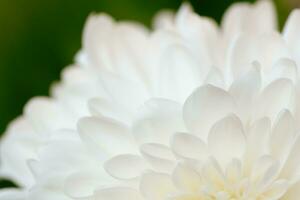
(12, 194)
(160, 157)
(186, 178)
(226, 140)
(156, 186)
(278, 95)
(291, 34)
(204, 107)
(189, 146)
(106, 136)
(157, 120)
(125, 166)
(118, 193)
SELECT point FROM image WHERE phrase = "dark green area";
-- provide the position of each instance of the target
(40, 37)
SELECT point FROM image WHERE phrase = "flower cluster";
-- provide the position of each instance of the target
(187, 111)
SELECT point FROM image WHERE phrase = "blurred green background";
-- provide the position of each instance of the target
(39, 37)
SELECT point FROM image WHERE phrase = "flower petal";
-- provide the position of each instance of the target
(157, 120)
(257, 142)
(83, 184)
(244, 17)
(284, 68)
(107, 108)
(291, 167)
(12, 194)
(245, 91)
(291, 33)
(159, 156)
(204, 107)
(283, 135)
(125, 166)
(189, 146)
(106, 136)
(118, 193)
(226, 139)
(186, 178)
(178, 69)
(277, 96)
(156, 186)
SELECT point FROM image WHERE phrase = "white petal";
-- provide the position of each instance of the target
(283, 135)
(215, 78)
(277, 190)
(12, 194)
(260, 168)
(119, 193)
(185, 197)
(112, 46)
(105, 136)
(38, 193)
(47, 115)
(125, 166)
(83, 184)
(291, 34)
(129, 93)
(292, 165)
(267, 9)
(196, 28)
(201, 34)
(270, 175)
(245, 90)
(189, 146)
(204, 107)
(269, 48)
(293, 192)
(157, 120)
(241, 55)
(226, 139)
(277, 96)
(159, 156)
(212, 172)
(111, 109)
(97, 29)
(186, 178)
(156, 186)
(178, 69)
(126, 46)
(284, 68)
(53, 166)
(257, 141)
(234, 171)
(164, 19)
(244, 17)
(19, 144)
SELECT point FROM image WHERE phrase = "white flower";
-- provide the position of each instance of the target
(187, 111)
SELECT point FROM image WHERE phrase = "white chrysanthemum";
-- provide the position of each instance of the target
(188, 111)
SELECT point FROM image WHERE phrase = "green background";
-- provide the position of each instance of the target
(39, 37)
